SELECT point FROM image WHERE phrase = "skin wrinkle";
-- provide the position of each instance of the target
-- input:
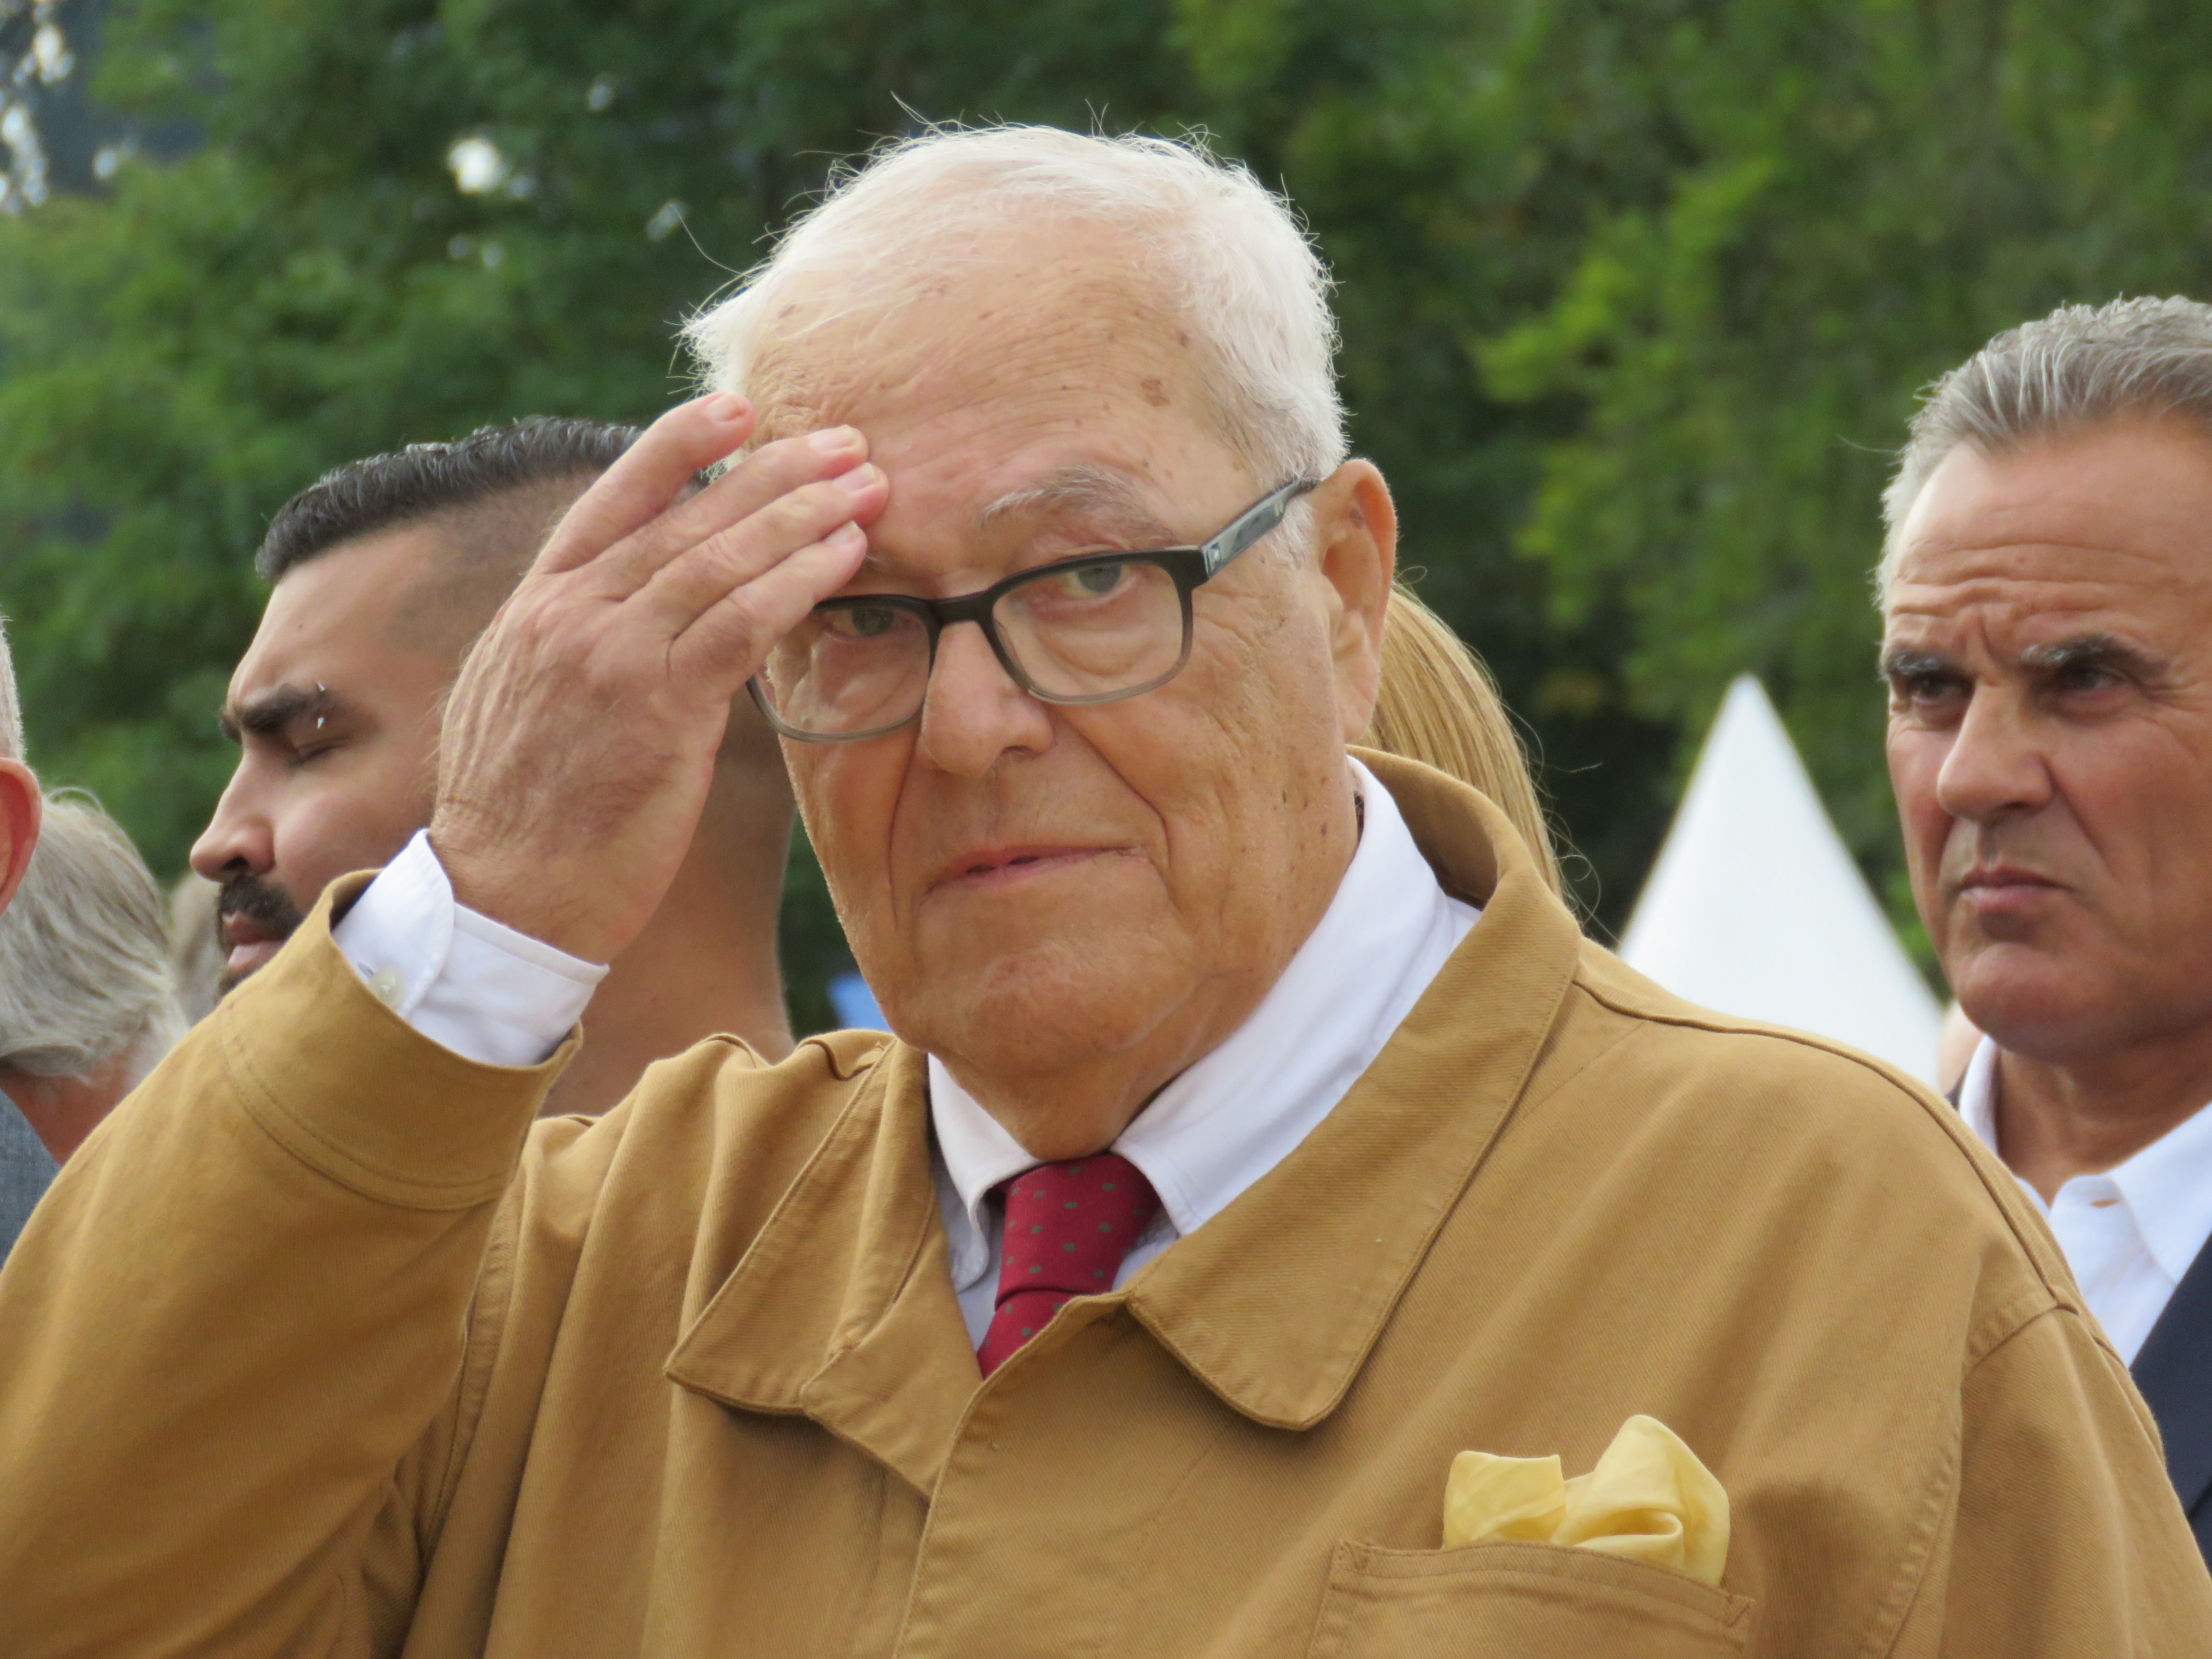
(2049, 652)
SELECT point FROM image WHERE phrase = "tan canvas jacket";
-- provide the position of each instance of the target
(320, 1347)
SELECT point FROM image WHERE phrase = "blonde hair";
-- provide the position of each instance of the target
(1439, 705)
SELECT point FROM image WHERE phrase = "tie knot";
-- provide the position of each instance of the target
(1067, 1227)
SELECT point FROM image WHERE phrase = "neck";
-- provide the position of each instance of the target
(63, 1111)
(707, 963)
(2058, 1120)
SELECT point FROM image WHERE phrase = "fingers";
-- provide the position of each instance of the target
(702, 575)
(731, 639)
(637, 489)
(774, 470)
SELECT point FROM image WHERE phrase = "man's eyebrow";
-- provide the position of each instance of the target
(2091, 651)
(267, 714)
(1081, 488)
(1902, 662)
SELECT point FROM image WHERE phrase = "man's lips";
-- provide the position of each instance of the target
(2004, 887)
(995, 866)
(250, 945)
(245, 958)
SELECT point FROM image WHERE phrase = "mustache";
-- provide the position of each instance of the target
(262, 903)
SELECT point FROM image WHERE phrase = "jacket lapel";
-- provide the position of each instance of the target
(843, 1309)
(1276, 1302)
(2174, 1371)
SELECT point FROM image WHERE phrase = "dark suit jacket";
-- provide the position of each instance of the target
(2174, 1371)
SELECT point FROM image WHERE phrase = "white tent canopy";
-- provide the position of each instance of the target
(1755, 908)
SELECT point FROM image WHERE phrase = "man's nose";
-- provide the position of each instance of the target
(973, 712)
(237, 840)
(1995, 765)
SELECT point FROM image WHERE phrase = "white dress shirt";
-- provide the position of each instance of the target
(2129, 1233)
(491, 994)
(467, 982)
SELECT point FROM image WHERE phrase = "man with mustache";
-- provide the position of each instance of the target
(384, 572)
(2047, 599)
(1274, 1231)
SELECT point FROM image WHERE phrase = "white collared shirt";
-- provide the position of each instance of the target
(1239, 1111)
(2129, 1233)
(493, 995)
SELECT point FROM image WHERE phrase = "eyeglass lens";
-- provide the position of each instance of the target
(1091, 631)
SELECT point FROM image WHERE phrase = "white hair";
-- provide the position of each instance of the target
(1238, 271)
(2081, 366)
(11, 711)
(84, 959)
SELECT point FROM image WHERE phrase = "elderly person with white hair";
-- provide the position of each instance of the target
(1266, 1200)
(87, 995)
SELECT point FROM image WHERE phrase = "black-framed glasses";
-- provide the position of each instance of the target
(1092, 628)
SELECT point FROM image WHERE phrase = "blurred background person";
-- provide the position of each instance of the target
(384, 573)
(1437, 704)
(25, 1166)
(87, 998)
(2047, 596)
(196, 944)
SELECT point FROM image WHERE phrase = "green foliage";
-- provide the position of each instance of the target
(1635, 294)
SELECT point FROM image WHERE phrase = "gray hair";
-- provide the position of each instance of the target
(84, 958)
(1239, 270)
(11, 711)
(2081, 366)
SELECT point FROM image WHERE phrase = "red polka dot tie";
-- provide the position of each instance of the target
(1068, 1226)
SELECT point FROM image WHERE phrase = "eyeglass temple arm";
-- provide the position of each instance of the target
(1249, 526)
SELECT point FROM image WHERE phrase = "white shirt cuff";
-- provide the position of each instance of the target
(468, 983)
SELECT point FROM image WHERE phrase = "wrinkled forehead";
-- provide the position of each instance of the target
(1061, 332)
(2111, 529)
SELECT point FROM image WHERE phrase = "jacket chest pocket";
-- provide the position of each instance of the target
(1519, 1601)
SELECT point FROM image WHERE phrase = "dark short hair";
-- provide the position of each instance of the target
(423, 481)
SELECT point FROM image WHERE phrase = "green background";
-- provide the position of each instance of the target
(1637, 297)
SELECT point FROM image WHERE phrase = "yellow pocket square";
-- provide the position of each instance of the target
(1648, 1498)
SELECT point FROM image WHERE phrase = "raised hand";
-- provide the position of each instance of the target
(579, 738)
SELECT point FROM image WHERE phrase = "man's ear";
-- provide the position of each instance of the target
(20, 808)
(1357, 532)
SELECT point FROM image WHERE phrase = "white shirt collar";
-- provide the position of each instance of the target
(2167, 1186)
(1234, 1115)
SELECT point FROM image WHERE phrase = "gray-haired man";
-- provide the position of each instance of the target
(2047, 591)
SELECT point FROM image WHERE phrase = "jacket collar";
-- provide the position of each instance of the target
(1276, 1302)
(843, 1309)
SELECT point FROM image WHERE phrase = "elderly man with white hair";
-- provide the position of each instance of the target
(1267, 1200)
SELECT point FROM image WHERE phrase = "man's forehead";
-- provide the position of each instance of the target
(334, 611)
(1009, 332)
